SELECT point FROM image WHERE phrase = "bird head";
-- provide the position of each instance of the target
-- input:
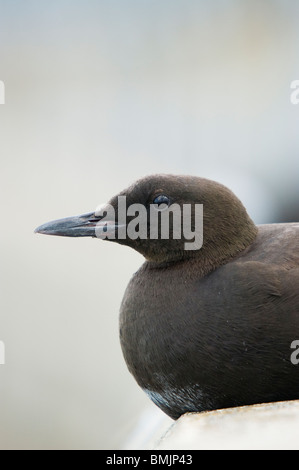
(167, 218)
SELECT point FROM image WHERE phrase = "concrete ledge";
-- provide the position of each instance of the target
(264, 426)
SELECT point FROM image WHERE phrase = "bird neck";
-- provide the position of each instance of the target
(215, 251)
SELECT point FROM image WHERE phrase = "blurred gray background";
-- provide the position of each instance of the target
(98, 94)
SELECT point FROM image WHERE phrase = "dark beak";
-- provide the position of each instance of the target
(86, 225)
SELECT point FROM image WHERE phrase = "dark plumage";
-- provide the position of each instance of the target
(208, 328)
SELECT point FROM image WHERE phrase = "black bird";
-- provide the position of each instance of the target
(205, 328)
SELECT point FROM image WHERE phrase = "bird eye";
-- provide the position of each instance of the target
(161, 202)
